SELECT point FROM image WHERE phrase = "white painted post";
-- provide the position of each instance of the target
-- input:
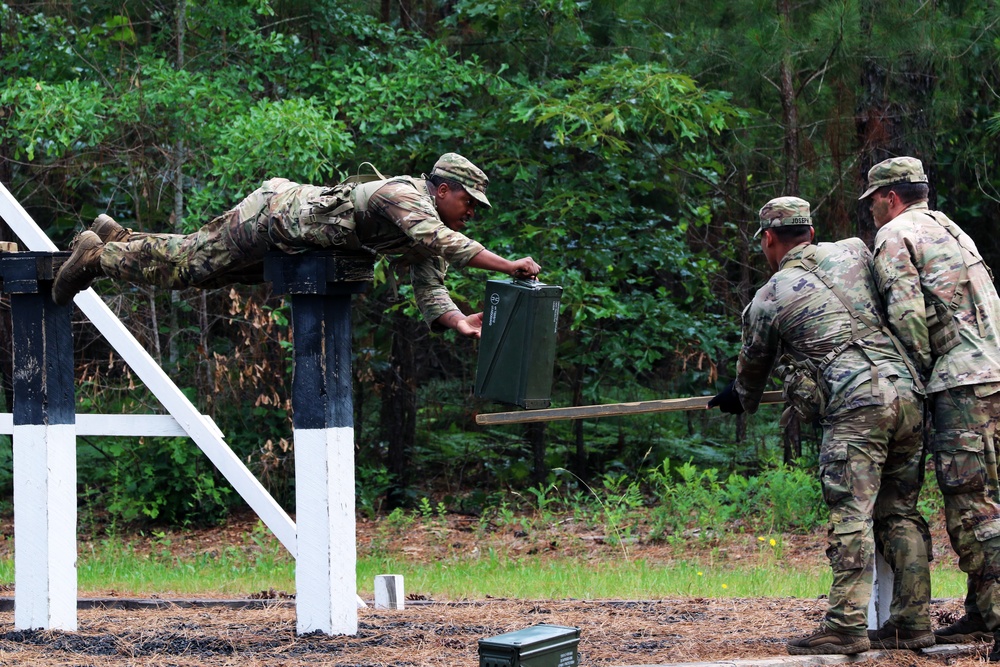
(45, 527)
(881, 600)
(326, 565)
(44, 447)
(389, 591)
(326, 597)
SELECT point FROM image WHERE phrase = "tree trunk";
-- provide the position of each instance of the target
(398, 416)
(792, 440)
(580, 455)
(893, 114)
(178, 177)
(536, 438)
(789, 110)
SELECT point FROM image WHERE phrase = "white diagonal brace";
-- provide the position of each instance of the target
(201, 429)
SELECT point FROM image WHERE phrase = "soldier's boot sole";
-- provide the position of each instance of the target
(109, 230)
(967, 638)
(80, 270)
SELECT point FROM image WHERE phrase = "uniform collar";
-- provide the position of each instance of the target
(915, 206)
(794, 253)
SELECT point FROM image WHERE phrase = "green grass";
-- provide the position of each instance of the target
(238, 572)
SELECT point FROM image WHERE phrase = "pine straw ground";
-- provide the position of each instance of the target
(613, 633)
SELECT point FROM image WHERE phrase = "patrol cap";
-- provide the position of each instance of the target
(784, 212)
(460, 170)
(894, 170)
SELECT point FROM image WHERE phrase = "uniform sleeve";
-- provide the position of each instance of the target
(898, 282)
(416, 217)
(759, 349)
(427, 278)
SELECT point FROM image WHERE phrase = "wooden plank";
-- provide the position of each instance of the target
(609, 410)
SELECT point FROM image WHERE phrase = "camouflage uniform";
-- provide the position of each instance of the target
(392, 216)
(942, 303)
(871, 413)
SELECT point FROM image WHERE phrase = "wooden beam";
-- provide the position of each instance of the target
(608, 410)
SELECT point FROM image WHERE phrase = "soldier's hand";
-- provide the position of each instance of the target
(525, 268)
(728, 400)
(471, 325)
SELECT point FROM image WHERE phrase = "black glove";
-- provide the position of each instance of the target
(728, 400)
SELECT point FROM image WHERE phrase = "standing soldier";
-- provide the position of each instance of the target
(819, 312)
(418, 220)
(942, 304)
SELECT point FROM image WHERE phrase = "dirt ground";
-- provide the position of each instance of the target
(613, 633)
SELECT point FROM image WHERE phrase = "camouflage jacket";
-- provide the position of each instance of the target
(919, 264)
(797, 314)
(399, 217)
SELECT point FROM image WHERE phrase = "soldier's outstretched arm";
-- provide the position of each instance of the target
(521, 268)
(467, 325)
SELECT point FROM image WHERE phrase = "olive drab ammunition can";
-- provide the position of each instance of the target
(518, 346)
(538, 646)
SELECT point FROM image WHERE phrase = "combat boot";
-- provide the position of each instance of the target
(891, 637)
(81, 269)
(994, 655)
(827, 642)
(109, 230)
(965, 630)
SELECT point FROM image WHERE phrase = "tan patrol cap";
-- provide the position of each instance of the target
(784, 212)
(460, 170)
(894, 170)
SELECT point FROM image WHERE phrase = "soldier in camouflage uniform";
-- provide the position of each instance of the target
(819, 313)
(419, 220)
(942, 304)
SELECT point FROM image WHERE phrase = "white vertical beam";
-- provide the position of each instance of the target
(326, 561)
(45, 527)
(880, 603)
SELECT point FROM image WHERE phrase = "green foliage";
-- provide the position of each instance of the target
(162, 480)
(778, 500)
(629, 146)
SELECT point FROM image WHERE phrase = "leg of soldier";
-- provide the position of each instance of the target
(900, 531)
(228, 244)
(852, 454)
(964, 427)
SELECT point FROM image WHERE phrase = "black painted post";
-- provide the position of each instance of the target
(44, 441)
(321, 285)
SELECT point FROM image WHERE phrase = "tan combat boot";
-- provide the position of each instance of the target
(828, 641)
(891, 637)
(81, 269)
(109, 230)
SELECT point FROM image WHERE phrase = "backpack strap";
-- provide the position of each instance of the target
(963, 279)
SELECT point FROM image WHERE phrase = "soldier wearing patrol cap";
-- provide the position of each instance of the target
(942, 304)
(818, 319)
(417, 220)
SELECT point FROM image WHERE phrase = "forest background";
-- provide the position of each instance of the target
(629, 145)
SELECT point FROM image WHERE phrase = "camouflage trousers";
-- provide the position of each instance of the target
(871, 473)
(964, 448)
(278, 215)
